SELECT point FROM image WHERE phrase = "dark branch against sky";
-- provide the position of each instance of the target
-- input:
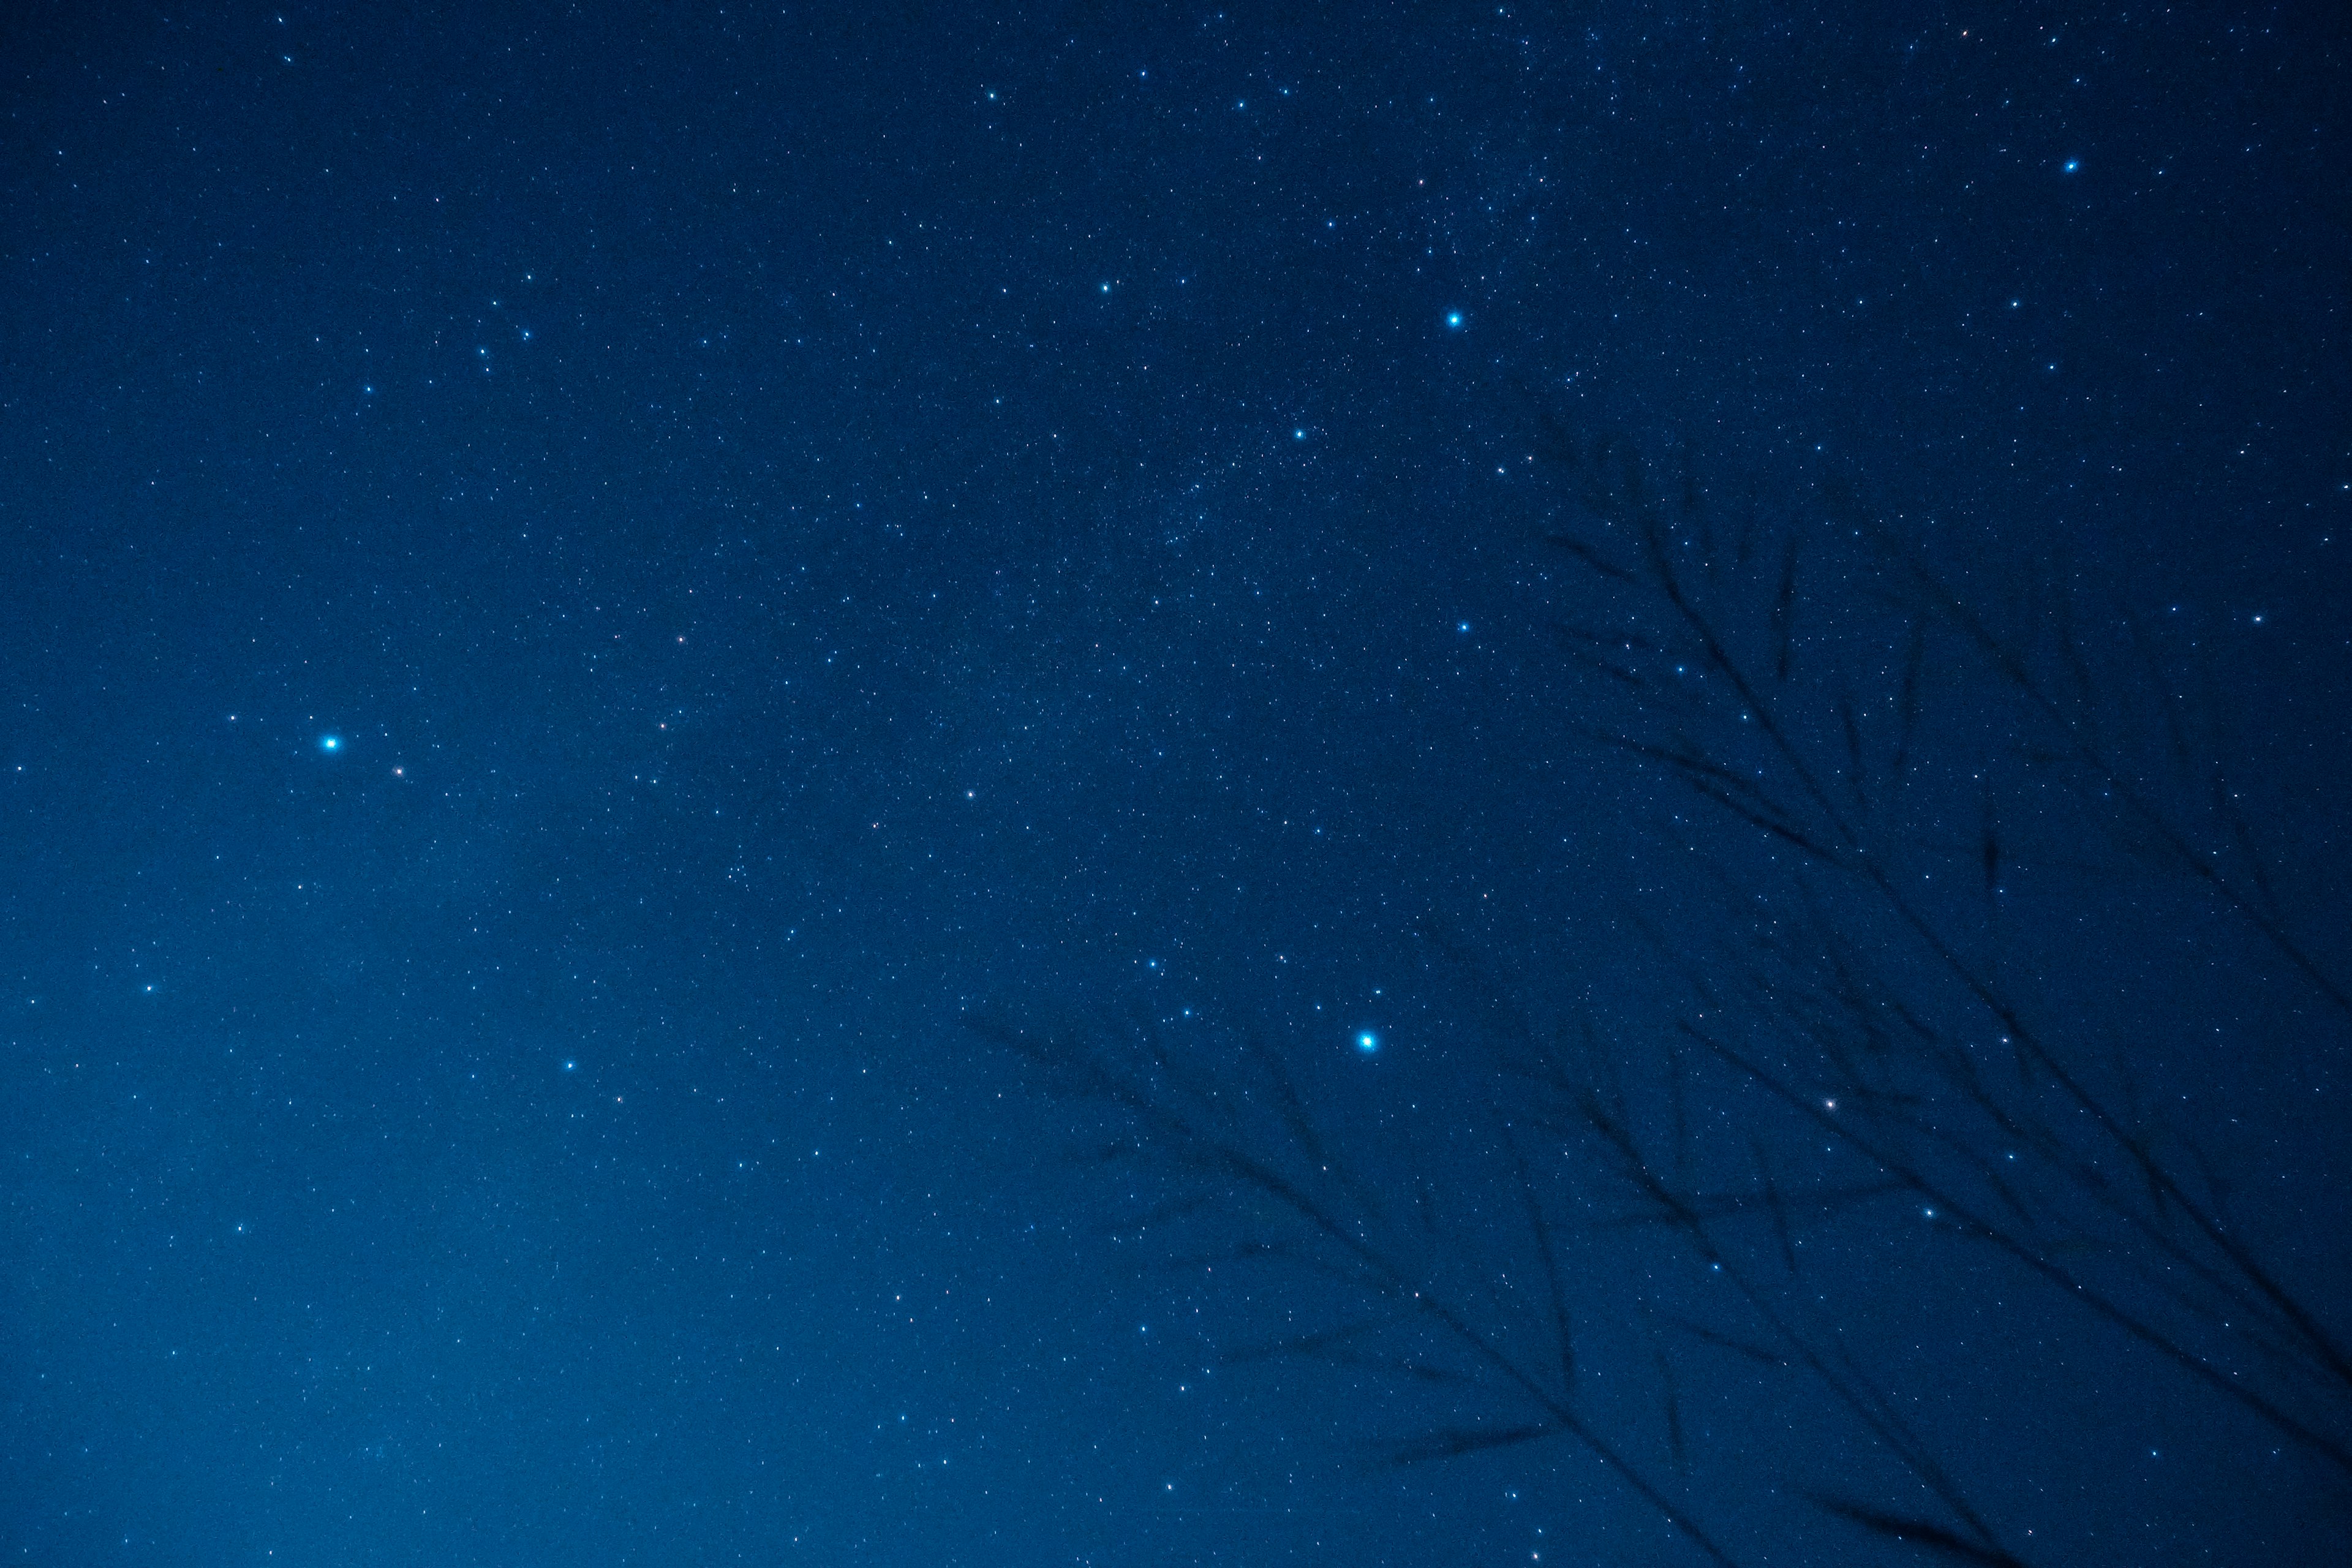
(580, 587)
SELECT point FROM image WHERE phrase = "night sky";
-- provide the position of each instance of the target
(603, 608)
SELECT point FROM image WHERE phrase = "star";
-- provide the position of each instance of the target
(1368, 1042)
(331, 743)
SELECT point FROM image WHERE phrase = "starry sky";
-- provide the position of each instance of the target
(584, 588)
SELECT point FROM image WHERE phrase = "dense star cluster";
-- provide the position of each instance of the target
(1049, 784)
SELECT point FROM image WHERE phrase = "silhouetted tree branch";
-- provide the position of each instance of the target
(1941, 1076)
(1884, 764)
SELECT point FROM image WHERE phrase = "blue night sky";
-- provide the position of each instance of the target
(1022, 785)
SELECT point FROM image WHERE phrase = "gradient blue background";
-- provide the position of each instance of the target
(806, 520)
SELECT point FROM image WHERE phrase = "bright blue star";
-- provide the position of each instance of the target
(1368, 1042)
(2073, 165)
(331, 743)
(1454, 320)
(1299, 434)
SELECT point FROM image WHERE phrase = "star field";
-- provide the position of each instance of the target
(585, 593)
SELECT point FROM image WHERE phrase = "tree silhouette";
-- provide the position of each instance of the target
(1934, 834)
